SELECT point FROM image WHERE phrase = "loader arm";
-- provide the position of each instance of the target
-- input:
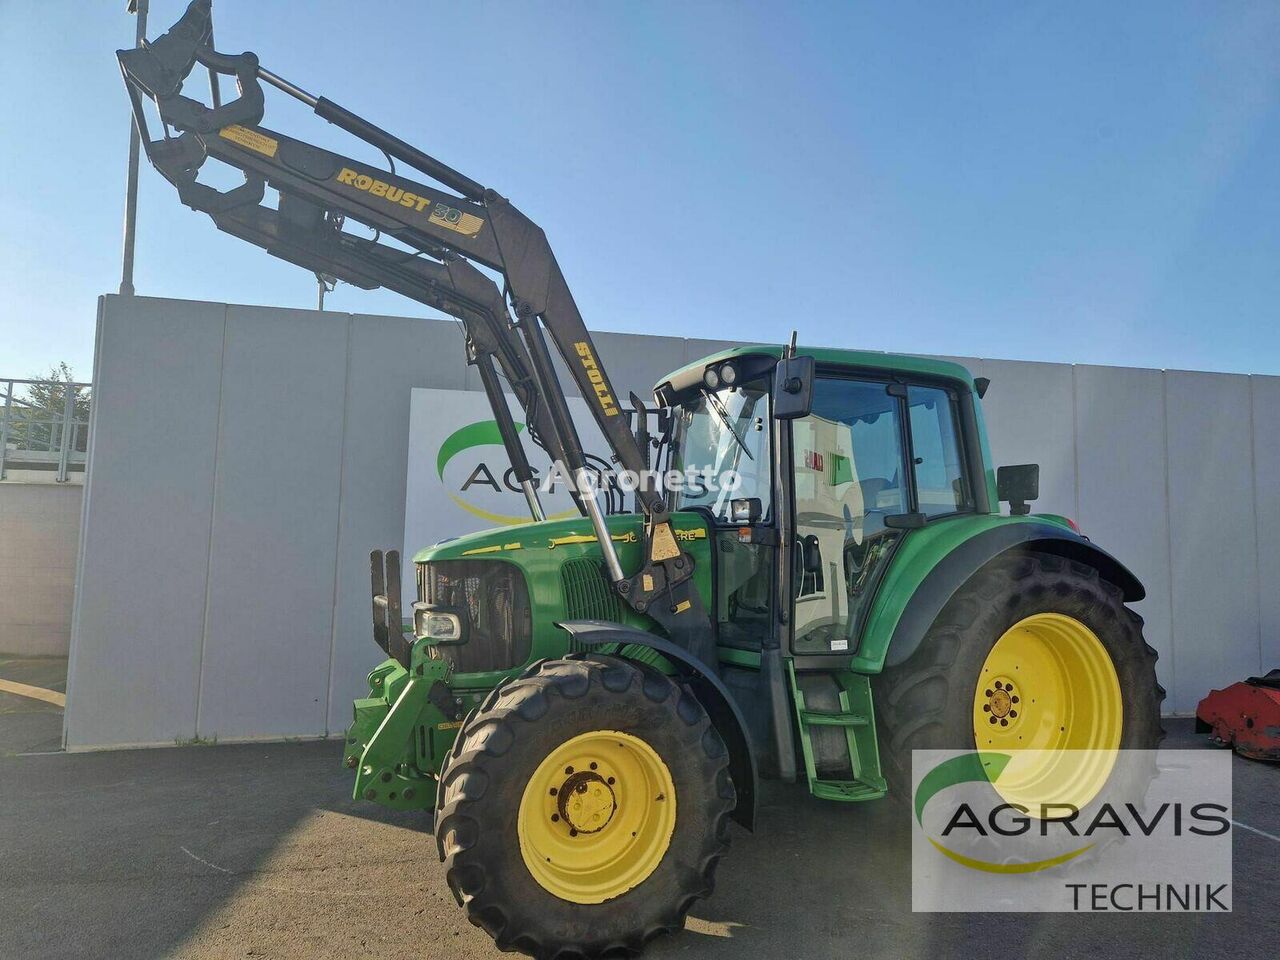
(301, 233)
(448, 235)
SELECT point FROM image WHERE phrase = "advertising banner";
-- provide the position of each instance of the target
(459, 480)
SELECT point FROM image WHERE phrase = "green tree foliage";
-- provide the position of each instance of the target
(35, 418)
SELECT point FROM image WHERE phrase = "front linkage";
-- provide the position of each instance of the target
(402, 730)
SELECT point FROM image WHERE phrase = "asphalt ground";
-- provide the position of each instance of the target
(27, 724)
(258, 851)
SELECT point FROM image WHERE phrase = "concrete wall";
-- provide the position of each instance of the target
(244, 460)
(39, 534)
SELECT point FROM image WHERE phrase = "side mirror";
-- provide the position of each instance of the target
(746, 510)
(793, 388)
(440, 626)
(1018, 484)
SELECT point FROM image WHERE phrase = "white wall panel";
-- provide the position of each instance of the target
(696, 348)
(1266, 488)
(269, 608)
(139, 608)
(1124, 506)
(1213, 545)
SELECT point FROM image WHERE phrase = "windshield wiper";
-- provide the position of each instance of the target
(718, 406)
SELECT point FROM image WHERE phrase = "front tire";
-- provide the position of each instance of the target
(584, 808)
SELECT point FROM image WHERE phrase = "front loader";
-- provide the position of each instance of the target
(822, 583)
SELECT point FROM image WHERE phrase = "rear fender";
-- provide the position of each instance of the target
(955, 568)
(706, 686)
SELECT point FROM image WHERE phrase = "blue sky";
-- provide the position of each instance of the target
(1089, 182)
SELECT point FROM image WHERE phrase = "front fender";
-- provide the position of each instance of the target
(706, 686)
(943, 560)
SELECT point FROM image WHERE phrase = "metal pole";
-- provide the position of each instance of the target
(587, 494)
(68, 415)
(324, 284)
(280, 83)
(4, 424)
(138, 7)
(531, 497)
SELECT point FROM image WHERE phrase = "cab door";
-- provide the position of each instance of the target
(849, 474)
(871, 453)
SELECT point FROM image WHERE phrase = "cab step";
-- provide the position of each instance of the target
(856, 718)
(819, 719)
(849, 791)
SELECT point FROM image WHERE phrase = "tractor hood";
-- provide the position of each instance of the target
(562, 568)
(571, 538)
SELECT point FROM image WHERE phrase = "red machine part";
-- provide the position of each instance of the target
(1245, 716)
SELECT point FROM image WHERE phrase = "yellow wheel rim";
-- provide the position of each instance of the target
(596, 817)
(1048, 685)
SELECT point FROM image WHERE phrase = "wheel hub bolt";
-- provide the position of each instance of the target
(1000, 703)
(585, 803)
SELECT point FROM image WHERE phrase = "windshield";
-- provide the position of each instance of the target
(721, 450)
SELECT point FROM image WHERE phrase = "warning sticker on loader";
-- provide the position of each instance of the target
(250, 139)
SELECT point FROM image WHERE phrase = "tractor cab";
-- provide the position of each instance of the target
(887, 445)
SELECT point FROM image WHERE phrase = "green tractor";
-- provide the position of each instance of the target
(816, 580)
(867, 599)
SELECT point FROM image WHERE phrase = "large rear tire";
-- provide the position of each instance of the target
(1035, 651)
(584, 808)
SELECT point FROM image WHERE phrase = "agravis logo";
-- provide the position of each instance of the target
(1013, 831)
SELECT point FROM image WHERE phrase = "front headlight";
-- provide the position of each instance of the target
(436, 625)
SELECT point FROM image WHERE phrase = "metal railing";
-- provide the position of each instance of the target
(44, 425)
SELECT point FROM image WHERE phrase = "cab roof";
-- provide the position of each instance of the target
(897, 362)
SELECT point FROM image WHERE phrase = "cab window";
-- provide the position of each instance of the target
(935, 446)
(721, 434)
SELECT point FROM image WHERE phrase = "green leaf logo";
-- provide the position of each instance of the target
(480, 434)
(975, 768)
